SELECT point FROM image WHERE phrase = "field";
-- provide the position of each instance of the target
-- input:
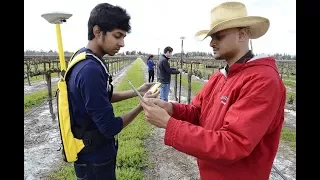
(142, 154)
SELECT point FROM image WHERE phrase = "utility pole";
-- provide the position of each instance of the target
(181, 65)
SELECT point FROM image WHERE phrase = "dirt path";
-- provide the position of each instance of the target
(169, 163)
(42, 138)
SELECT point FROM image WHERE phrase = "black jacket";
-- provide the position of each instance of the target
(164, 70)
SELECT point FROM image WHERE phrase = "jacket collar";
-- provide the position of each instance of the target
(249, 55)
(165, 56)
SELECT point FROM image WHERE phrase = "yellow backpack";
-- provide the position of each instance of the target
(72, 139)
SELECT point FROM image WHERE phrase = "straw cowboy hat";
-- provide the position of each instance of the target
(231, 15)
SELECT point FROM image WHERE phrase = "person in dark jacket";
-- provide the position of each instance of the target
(233, 125)
(165, 73)
(151, 65)
(89, 95)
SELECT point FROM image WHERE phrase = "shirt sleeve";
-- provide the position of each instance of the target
(186, 112)
(92, 84)
(190, 112)
(169, 70)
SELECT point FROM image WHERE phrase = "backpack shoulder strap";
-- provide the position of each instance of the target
(101, 63)
(109, 81)
(74, 60)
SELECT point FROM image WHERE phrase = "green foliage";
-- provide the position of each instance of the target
(288, 136)
(35, 99)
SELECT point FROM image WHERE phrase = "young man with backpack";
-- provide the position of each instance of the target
(89, 94)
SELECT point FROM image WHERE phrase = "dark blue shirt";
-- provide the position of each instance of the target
(150, 65)
(87, 90)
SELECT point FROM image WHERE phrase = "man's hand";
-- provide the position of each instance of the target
(144, 88)
(163, 104)
(155, 114)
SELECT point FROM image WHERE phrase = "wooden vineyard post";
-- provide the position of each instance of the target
(58, 74)
(189, 83)
(175, 84)
(108, 66)
(116, 66)
(112, 64)
(48, 80)
(119, 66)
(44, 69)
(156, 70)
(288, 69)
(35, 65)
(281, 70)
(28, 72)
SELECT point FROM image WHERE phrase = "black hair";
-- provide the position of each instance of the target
(168, 48)
(108, 18)
(151, 56)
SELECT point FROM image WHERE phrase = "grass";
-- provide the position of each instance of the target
(288, 137)
(35, 99)
(290, 77)
(291, 96)
(289, 83)
(132, 156)
(195, 86)
(39, 78)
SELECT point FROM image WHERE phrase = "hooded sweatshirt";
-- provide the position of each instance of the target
(233, 125)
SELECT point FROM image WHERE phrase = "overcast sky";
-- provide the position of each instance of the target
(157, 24)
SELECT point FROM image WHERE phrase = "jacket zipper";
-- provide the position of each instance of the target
(225, 80)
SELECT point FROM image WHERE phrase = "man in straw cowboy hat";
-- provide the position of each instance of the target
(233, 124)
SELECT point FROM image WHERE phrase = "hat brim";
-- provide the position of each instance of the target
(257, 25)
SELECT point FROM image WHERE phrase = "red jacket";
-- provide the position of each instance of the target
(233, 125)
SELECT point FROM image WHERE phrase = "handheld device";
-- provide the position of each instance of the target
(155, 87)
(136, 91)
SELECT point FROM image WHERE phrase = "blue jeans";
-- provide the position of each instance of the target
(164, 91)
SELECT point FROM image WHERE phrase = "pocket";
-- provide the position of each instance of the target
(81, 171)
(105, 170)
